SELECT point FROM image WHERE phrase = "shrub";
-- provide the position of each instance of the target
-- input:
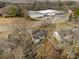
(76, 12)
(11, 11)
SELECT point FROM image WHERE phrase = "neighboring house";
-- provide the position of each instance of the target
(49, 14)
(67, 34)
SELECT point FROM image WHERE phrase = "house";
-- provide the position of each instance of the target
(53, 15)
(67, 34)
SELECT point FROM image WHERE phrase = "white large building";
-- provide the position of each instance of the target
(49, 14)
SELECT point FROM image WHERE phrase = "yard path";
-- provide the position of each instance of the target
(10, 24)
(7, 24)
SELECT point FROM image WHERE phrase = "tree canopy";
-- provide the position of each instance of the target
(76, 12)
